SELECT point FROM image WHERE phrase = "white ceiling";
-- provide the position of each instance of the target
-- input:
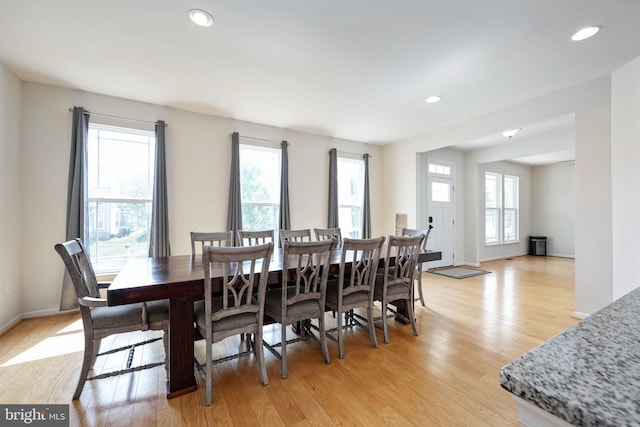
(354, 69)
(559, 129)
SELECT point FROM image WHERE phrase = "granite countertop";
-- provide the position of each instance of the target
(588, 375)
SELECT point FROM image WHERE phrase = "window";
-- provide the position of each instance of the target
(350, 196)
(438, 169)
(120, 165)
(260, 187)
(501, 208)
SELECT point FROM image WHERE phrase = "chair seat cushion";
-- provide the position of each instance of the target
(353, 300)
(117, 316)
(225, 324)
(298, 311)
(157, 311)
(394, 291)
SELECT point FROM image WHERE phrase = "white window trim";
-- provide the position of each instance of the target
(101, 125)
(353, 158)
(267, 146)
(501, 210)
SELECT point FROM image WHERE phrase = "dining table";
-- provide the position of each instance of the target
(180, 279)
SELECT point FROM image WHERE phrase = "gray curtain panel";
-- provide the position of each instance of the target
(76, 195)
(332, 221)
(366, 202)
(159, 237)
(234, 212)
(285, 213)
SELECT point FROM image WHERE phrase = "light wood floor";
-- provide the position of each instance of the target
(448, 375)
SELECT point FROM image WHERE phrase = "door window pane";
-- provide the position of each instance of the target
(440, 192)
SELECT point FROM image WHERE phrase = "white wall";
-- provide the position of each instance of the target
(198, 153)
(10, 242)
(593, 266)
(491, 252)
(553, 207)
(625, 155)
(590, 102)
(542, 142)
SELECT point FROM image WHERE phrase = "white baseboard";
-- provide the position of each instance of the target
(470, 264)
(30, 315)
(47, 312)
(580, 315)
(561, 255)
(500, 258)
(11, 323)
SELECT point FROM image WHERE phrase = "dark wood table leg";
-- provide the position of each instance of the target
(181, 377)
(402, 311)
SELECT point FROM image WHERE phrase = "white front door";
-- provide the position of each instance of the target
(440, 215)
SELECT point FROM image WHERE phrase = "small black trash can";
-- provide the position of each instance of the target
(538, 245)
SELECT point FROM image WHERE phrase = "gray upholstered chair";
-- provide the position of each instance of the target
(354, 288)
(305, 266)
(239, 309)
(252, 238)
(295, 236)
(219, 238)
(423, 248)
(100, 321)
(329, 233)
(395, 282)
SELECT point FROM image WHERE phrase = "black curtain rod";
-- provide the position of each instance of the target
(260, 139)
(118, 118)
(353, 154)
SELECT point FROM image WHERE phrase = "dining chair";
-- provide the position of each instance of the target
(355, 286)
(252, 238)
(423, 248)
(219, 238)
(239, 307)
(305, 266)
(100, 321)
(303, 235)
(329, 233)
(395, 282)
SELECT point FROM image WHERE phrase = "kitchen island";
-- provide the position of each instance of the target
(588, 375)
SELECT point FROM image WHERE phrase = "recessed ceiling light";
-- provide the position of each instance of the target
(201, 17)
(432, 99)
(510, 133)
(586, 32)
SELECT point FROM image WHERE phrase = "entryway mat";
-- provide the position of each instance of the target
(459, 272)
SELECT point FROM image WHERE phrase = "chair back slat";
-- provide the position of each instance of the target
(328, 234)
(244, 278)
(295, 236)
(415, 232)
(79, 267)
(253, 238)
(363, 255)
(218, 238)
(305, 270)
(405, 250)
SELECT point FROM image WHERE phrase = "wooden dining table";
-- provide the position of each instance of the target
(180, 279)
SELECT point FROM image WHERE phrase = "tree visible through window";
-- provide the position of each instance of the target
(120, 166)
(260, 187)
(501, 208)
(350, 196)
